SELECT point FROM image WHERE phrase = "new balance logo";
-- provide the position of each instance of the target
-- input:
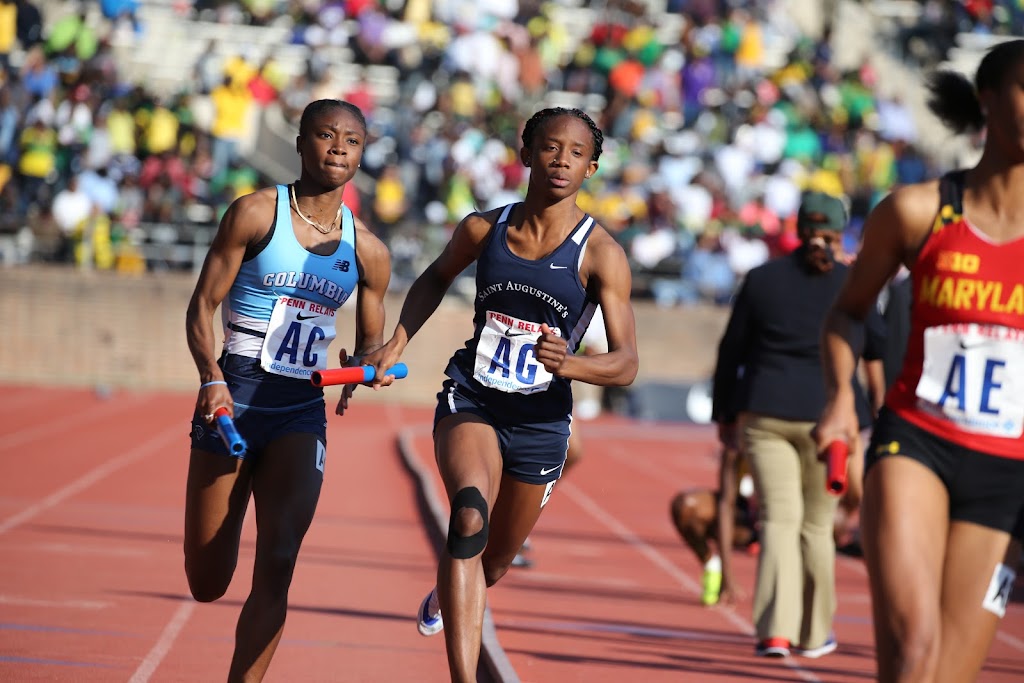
(343, 266)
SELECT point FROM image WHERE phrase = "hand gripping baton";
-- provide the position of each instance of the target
(356, 374)
(229, 434)
(835, 467)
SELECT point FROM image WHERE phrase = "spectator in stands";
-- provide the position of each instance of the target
(37, 164)
(37, 75)
(231, 102)
(71, 209)
(9, 119)
(8, 32)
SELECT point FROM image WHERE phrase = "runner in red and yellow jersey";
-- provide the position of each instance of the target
(944, 481)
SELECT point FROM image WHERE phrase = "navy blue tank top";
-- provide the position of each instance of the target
(513, 297)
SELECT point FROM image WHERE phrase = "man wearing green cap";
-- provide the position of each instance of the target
(768, 392)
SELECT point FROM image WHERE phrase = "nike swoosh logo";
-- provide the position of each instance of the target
(547, 470)
(972, 344)
(510, 333)
(299, 316)
(554, 267)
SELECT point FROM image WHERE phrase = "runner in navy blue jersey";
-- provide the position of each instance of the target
(503, 417)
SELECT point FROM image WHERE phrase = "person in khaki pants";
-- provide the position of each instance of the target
(768, 393)
(796, 570)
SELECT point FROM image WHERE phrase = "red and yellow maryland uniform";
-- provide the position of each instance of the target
(963, 373)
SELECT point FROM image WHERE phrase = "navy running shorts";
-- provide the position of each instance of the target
(984, 489)
(531, 452)
(266, 407)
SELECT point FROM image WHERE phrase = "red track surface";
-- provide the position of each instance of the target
(92, 587)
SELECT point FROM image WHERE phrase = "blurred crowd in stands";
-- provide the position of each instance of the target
(714, 123)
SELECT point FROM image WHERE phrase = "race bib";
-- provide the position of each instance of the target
(298, 336)
(973, 376)
(504, 355)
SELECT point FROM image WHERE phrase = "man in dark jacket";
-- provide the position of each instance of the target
(768, 393)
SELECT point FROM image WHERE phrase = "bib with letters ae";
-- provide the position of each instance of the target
(504, 355)
(973, 376)
(298, 336)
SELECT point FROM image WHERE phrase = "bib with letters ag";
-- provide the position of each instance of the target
(504, 355)
(298, 336)
(973, 376)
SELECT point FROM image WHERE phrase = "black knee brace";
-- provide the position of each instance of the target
(464, 547)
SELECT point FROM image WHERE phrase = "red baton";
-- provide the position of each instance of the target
(835, 467)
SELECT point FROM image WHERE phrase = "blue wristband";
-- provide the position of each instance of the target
(210, 384)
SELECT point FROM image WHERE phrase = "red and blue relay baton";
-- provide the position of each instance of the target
(835, 467)
(356, 374)
(229, 434)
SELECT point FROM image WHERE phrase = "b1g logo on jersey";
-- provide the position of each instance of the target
(957, 262)
(505, 355)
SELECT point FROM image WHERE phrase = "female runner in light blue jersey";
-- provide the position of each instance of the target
(502, 422)
(283, 262)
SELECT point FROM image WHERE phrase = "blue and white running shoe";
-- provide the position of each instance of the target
(429, 620)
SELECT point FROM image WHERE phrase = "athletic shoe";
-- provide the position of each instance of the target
(772, 647)
(429, 619)
(815, 652)
(522, 561)
(711, 581)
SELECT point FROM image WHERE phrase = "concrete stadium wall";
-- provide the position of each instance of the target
(60, 326)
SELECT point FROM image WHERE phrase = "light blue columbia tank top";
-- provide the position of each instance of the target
(283, 267)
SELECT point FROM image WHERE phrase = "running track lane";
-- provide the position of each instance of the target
(92, 586)
(614, 595)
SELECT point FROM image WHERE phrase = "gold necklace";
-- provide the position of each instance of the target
(318, 226)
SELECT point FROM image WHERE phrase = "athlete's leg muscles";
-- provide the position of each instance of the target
(286, 488)
(904, 526)
(513, 517)
(974, 555)
(216, 496)
(467, 454)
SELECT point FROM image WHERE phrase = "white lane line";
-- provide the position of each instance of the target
(164, 643)
(656, 468)
(156, 444)
(666, 565)
(20, 601)
(81, 550)
(1012, 641)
